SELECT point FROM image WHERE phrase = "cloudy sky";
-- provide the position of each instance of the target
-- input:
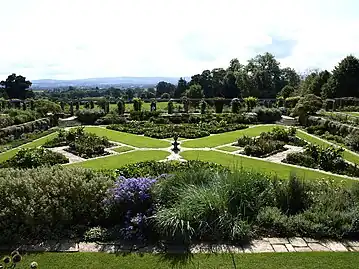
(71, 39)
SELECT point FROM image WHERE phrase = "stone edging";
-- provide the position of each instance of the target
(265, 245)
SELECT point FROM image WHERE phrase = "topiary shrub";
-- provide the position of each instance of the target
(89, 116)
(170, 107)
(251, 102)
(203, 106)
(137, 104)
(235, 105)
(219, 103)
(120, 107)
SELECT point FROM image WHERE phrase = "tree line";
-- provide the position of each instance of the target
(261, 77)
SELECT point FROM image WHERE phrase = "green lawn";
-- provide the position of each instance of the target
(39, 142)
(347, 154)
(312, 260)
(225, 138)
(236, 161)
(122, 149)
(116, 161)
(228, 148)
(129, 139)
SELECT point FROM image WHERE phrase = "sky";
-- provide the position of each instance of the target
(73, 39)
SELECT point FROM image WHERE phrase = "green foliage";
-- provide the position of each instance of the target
(86, 145)
(89, 116)
(286, 91)
(251, 102)
(12, 132)
(291, 102)
(154, 169)
(203, 105)
(16, 116)
(170, 107)
(267, 115)
(50, 203)
(153, 105)
(165, 96)
(352, 141)
(195, 92)
(137, 104)
(154, 130)
(260, 147)
(44, 106)
(111, 118)
(344, 80)
(34, 157)
(308, 104)
(120, 107)
(235, 105)
(16, 87)
(219, 103)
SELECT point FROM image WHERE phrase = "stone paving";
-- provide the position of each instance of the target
(265, 245)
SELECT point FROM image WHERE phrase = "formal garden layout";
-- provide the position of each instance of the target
(169, 181)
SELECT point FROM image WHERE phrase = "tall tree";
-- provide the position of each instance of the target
(265, 72)
(195, 91)
(165, 87)
(218, 82)
(181, 88)
(231, 89)
(290, 77)
(345, 79)
(17, 87)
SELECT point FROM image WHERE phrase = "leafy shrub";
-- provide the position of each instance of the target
(34, 157)
(219, 103)
(29, 127)
(291, 102)
(121, 107)
(170, 107)
(137, 104)
(352, 141)
(251, 102)
(300, 158)
(236, 105)
(203, 105)
(111, 118)
(267, 115)
(143, 115)
(153, 168)
(44, 106)
(89, 116)
(260, 147)
(51, 203)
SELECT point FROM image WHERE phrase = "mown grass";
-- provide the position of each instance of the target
(122, 149)
(225, 138)
(36, 143)
(347, 154)
(129, 139)
(314, 260)
(228, 148)
(116, 161)
(236, 161)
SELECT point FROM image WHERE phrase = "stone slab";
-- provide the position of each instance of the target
(297, 242)
(278, 241)
(280, 248)
(260, 246)
(310, 240)
(351, 243)
(89, 247)
(302, 249)
(290, 248)
(334, 246)
(318, 247)
(68, 247)
(354, 248)
(108, 248)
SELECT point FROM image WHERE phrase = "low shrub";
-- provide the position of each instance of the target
(301, 159)
(34, 157)
(17, 130)
(260, 147)
(89, 116)
(267, 115)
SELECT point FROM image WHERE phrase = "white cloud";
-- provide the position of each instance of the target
(94, 38)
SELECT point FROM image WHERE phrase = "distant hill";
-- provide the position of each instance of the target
(103, 82)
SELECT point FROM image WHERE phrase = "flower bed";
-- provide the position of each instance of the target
(182, 130)
(327, 159)
(80, 143)
(269, 143)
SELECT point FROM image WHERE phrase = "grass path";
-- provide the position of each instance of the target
(129, 139)
(347, 154)
(116, 161)
(312, 260)
(36, 143)
(225, 138)
(236, 161)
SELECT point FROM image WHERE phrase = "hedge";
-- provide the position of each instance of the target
(29, 127)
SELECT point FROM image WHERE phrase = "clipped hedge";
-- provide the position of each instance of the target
(29, 127)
